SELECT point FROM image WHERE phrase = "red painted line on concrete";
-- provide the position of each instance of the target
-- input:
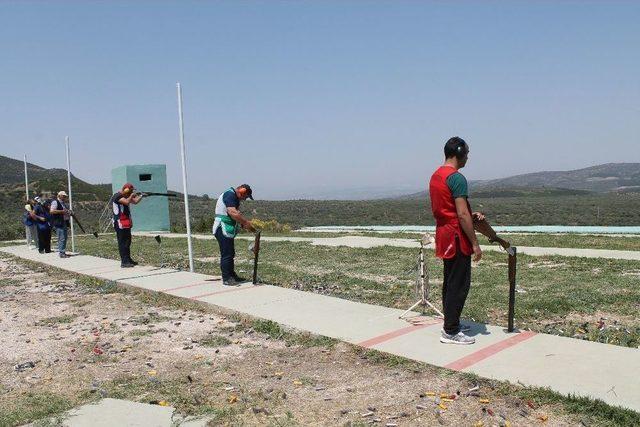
(204, 282)
(397, 333)
(489, 351)
(223, 291)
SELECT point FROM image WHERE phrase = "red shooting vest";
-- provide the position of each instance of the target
(446, 216)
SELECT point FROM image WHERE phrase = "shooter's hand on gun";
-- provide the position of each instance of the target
(249, 227)
(477, 252)
(481, 225)
(478, 216)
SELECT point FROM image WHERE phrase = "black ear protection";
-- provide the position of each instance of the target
(461, 149)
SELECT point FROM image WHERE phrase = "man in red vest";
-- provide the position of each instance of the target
(455, 237)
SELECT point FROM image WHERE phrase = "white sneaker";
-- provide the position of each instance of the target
(463, 328)
(458, 338)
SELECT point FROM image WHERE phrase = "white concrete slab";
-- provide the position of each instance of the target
(122, 274)
(197, 289)
(424, 344)
(333, 317)
(122, 413)
(162, 279)
(568, 365)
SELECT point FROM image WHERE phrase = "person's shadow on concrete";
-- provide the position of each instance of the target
(476, 329)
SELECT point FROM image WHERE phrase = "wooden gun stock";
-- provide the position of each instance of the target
(484, 228)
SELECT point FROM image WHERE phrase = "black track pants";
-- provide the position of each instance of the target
(455, 288)
(124, 244)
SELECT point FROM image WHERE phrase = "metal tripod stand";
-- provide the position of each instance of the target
(422, 282)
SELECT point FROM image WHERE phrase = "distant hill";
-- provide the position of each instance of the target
(610, 177)
(47, 181)
(601, 178)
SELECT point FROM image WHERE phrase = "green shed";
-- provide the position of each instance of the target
(152, 213)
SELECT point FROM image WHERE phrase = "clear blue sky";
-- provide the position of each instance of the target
(302, 98)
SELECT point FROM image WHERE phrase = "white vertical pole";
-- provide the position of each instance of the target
(26, 177)
(184, 177)
(26, 189)
(73, 237)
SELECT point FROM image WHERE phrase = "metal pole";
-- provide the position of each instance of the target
(26, 189)
(73, 237)
(184, 177)
(26, 177)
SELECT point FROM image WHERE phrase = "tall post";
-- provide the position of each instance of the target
(73, 237)
(26, 189)
(513, 262)
(184, 177)
(26, 178)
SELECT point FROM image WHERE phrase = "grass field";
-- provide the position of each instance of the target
(594, 299)
(626, 243)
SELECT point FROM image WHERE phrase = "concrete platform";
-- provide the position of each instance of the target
(566, 365)
(122, 413)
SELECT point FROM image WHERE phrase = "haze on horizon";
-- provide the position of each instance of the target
(304, 98)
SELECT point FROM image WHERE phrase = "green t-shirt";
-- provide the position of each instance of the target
(458, 185)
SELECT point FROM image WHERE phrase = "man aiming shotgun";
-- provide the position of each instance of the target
(227, 223)
(455, 237)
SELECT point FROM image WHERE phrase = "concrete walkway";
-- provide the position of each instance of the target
(372, 242)
(122, 413)
(565, 365)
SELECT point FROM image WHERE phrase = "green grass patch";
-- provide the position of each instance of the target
(56, 320)
(32, 407)
(214, 341)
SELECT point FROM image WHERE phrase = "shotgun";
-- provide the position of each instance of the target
(255, 248)
(484, 228)
(158, 194)
(95, 234)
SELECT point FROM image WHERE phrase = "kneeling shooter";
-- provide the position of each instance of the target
(228, 222)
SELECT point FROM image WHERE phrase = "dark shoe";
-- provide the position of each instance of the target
(126, 265)
(239, 278)
(133, 262)
(230, 282)
(63, 255)
(41, 252)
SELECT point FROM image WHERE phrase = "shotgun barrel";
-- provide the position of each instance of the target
(158, 194)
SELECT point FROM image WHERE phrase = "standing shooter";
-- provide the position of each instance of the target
(228, 222)
(455, 237)
(60, 215)
(122, 222)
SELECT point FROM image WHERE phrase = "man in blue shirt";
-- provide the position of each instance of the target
(228, 222)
